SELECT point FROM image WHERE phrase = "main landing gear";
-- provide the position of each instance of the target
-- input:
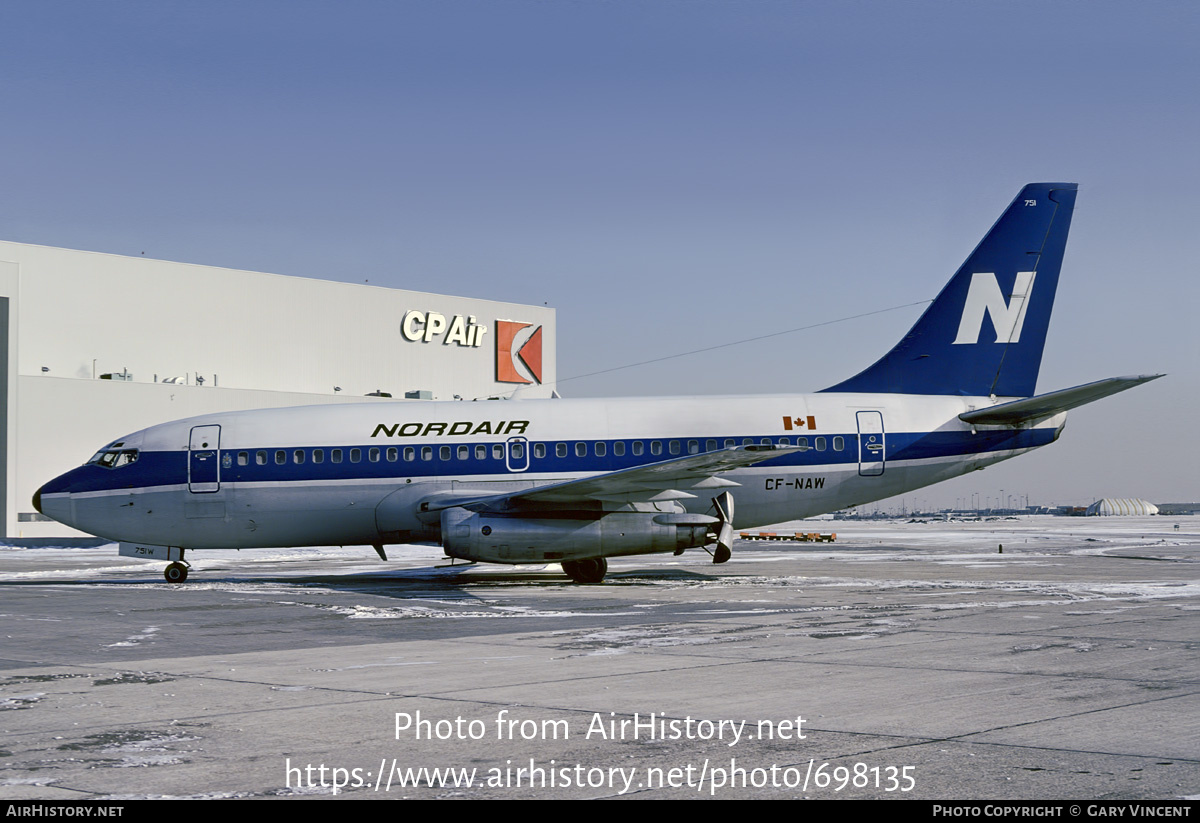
(591, 570)
(177, 572)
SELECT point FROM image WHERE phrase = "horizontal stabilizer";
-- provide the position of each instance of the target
(1034, 409)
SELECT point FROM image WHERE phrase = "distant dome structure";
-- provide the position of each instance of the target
(1111, 506)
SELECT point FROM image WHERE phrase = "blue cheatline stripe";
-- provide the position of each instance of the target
(170, 468)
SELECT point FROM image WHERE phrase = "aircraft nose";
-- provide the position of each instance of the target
(37, 501)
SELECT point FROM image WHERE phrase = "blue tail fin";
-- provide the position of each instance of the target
(985, 332)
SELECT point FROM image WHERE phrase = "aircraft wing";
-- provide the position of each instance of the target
(665, 480)
(1034, 409)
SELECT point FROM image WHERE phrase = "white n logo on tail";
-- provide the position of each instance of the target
(985, 296)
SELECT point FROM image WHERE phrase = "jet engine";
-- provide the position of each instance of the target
(496, 538)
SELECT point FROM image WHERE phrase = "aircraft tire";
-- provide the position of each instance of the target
(590, 570)
(176, 573)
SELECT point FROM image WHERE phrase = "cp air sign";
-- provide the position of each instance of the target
(518, 345)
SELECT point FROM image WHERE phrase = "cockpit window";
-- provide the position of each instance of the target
(114, 459)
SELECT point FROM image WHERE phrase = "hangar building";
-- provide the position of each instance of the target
(99, 345)
(1110, 506)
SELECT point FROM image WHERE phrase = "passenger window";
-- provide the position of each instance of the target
(335, 456)
(838, 444)
(637, 448)
(444, 453)
(464, 452)
(601, 449)
(820, 441)
(710, 446)
(766, 441)
(730, 442)
(410, 454)
(280, 457)
(356, 455)
(497, 452)
(674, 447)
(560, 450)
(693, 447)
(749, 441)
(581, 449)
(298, 456)
(539, 450)
(318, 455)
(373, 454)
(260, 457)
(243, 458)
(785, 441)
(619, 448)
(481, 452)
(517, 450)
(427, 452)
(393, 454)
(655, 447)
(802, 442)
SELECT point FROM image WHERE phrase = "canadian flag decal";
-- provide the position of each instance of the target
(790, 423)
(517, 347)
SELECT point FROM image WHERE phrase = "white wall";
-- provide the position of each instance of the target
(266, 340)
(84, 311)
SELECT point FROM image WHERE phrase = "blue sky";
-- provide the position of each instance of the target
(667, 175)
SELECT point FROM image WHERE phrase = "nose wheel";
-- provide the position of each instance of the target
(176, 573)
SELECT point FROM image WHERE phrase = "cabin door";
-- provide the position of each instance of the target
(204, 468)
(872, 447)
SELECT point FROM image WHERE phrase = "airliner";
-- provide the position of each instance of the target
(576, 482)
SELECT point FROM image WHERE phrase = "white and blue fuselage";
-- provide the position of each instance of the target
(342, 475)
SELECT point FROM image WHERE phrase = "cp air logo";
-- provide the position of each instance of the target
(1007, 316)
(518, 352)
(462, 331)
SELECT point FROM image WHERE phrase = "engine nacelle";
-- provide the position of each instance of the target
(496, 539)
